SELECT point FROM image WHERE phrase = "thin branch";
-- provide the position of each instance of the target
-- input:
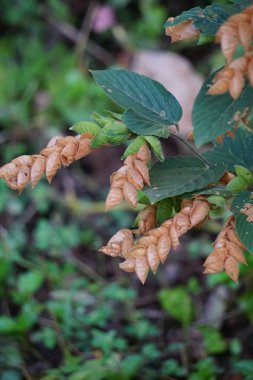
(190, 147)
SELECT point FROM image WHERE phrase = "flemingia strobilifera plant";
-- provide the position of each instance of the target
(177, 193)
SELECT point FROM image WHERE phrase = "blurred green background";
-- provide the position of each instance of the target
(68, 312)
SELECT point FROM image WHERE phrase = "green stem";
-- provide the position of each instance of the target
(190, 147)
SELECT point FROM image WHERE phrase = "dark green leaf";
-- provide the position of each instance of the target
(233, 151)
(138, 124)
(140, 93)
(244, 228)
(215, 114)
(179, 175)
(210, 190)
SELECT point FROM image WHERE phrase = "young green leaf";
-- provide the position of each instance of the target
(140, 93)
(134, 146)
(213, 115)
(85, 127)
(179, 175)
(156, 146)
(244, 227)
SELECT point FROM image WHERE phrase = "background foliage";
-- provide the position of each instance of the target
(66, 312)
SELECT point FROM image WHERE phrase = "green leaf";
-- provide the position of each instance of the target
(245, 367)
(164, 210)
(156, 146)
(133, 147)
(138, 124)
(177, 303)
(213, 115)
(208, 20)
(244, 228)
(233, 151)
(213, 340)
(211, 190)
(114, 132)
(85, 127)
(140, 93)
(30, 282)
(179, 175)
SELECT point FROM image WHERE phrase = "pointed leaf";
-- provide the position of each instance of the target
(140, 93)
(156, 146)
(215, 114)
(141, 126)
(133, 147)
(85, 127)
(244, 228)
(179, 175)
(233, 151)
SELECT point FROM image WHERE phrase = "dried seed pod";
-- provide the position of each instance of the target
(135, 179)
(152, 257)
(142, 168)
(144, 154)
(37, 169)
(130, 194)
(23, 178)
(163, 247)
(141, 268)
(236, 85)
(235, 252)
(221, 86)
(128, 265)
(199, 211)
(114, 198)
(232, 268)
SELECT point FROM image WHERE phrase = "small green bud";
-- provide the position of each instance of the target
(245, 173)
(237, 184)
(216, 200)
(218, 205)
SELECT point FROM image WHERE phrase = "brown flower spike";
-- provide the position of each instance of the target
(154, 247)
(227, 254)
(59, 151)
(129, 178)
(238, 29)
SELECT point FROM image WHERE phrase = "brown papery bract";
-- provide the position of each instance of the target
(238, 29)
(228, 252)
(59, 151)
(152, 248)
(129, 178)
(183, 31)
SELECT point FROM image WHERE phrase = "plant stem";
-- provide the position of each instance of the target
(190, 147)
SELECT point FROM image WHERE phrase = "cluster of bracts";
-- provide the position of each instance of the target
(152, 244)
(30, 168)
(237, 30)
